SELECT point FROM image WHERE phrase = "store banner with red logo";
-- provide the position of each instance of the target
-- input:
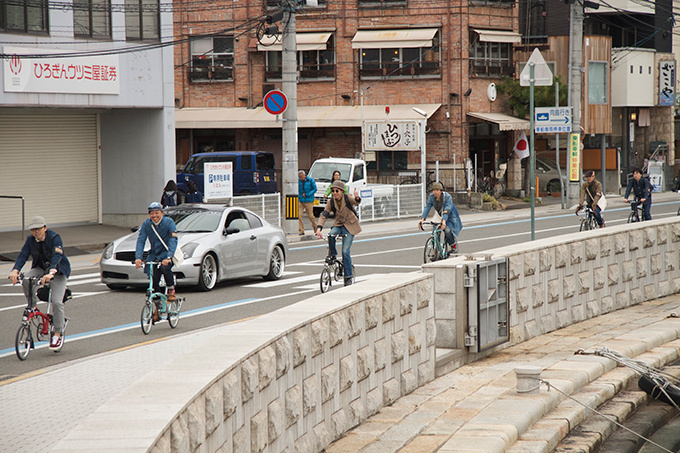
(59, 74)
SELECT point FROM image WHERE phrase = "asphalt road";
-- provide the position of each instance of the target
(102, 320)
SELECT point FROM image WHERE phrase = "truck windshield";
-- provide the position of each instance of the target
(323, 171)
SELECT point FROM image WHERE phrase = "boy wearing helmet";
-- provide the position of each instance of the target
(153, 227)
(443, 204)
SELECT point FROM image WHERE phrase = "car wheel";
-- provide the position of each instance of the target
(553, 186)
(277, 264)
(207, 275)
(114, 287)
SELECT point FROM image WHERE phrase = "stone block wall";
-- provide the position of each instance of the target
(559, 281)
(292, 380)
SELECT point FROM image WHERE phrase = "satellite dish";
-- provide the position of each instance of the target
(491, 92)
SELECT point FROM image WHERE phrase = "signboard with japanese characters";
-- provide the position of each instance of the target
(574, 157)
(391, 135)
(59, 74)
(666, 82)
(218, 180)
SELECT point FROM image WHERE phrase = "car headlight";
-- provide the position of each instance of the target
(108, 252)
(189, 249)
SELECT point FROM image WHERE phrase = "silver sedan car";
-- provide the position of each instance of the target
(218, 242)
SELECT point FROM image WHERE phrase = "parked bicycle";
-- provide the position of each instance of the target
(637, 214)
(332, 268)
(436, 247)
(35, 320)
(429, 180)
(159, 301)
(493, 184)
(588, 221)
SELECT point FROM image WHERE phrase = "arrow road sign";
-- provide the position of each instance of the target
(552, 120)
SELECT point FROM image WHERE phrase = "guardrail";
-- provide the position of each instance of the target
(23, 217)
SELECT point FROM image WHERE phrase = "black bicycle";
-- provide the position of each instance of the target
(332, 267)
(588, 222)
(636, 214)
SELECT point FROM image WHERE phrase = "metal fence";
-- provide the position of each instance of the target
(405, 201)
(266, 205)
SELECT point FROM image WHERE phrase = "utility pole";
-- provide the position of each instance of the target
(575, 86)
(289, 130)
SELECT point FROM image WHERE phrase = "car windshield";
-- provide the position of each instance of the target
(195, 221)
(323, 171)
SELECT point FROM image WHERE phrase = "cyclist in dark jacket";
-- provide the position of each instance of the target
(450, 219)
(49, 262)
(642, 190)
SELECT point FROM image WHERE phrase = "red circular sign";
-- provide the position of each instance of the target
(275, 102)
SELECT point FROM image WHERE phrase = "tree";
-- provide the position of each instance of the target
(518, 96)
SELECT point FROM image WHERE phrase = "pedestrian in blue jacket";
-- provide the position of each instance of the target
(49, 262)
(306, 191)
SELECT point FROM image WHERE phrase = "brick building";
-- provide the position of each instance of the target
(355, 57)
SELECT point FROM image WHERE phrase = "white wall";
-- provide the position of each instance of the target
(633, 89)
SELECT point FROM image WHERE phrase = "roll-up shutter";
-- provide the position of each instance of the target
(52, 162)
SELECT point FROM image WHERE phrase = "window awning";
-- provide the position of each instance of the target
(308, 117)
(382, 39)
(498, 36)
(505, 122)
(304, 41)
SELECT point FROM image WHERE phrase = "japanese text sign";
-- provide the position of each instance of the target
(79, 75)
(218, 180)
(391, 135)
(574, 157)
(666, 82)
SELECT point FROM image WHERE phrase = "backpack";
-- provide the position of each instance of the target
(333, 207)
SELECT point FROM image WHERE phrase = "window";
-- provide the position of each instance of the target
(358, 173)
(212, 59)
(387, 161)
(312, 64)
(142, 20)
(381, 3)
(490, 59)
(92, 18)
(306, 3)
(401, 62)
(597, 82)
(27, 16)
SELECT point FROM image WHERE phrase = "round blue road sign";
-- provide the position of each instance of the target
(275, 102)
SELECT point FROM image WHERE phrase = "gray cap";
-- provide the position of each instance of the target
(37, 222)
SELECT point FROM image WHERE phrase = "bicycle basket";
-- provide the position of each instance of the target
(43, 294)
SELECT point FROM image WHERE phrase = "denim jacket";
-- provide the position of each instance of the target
(53, 249)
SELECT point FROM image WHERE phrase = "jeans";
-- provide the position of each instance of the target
(168, 276)
(346, 245)
(58, 287)
(647, 210)
(598, 216)
(448, 234)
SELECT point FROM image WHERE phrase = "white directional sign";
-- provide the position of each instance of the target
(543, 76)
(552, 120)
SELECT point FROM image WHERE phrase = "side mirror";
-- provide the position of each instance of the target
(230, 230)
(135, 229)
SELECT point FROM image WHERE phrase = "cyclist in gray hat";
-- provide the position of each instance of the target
(47, 251)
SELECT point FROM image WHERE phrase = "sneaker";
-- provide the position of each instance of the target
(171, 296)
(302, 234)
(454, 248)
(56, 342)
(349, 281)
(602, 226)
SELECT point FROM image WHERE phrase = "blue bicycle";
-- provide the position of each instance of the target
(158, 302)
(436, 247)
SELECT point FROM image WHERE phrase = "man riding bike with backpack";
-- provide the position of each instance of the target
(346, 222)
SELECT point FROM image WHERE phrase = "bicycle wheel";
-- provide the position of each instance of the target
(147, 316)
(584, 225)
(173, 313)
(336, 271)
(633, 217)
(498, 189)
(38, 324)
(23, 342)
(430, 253)
(325, 281)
